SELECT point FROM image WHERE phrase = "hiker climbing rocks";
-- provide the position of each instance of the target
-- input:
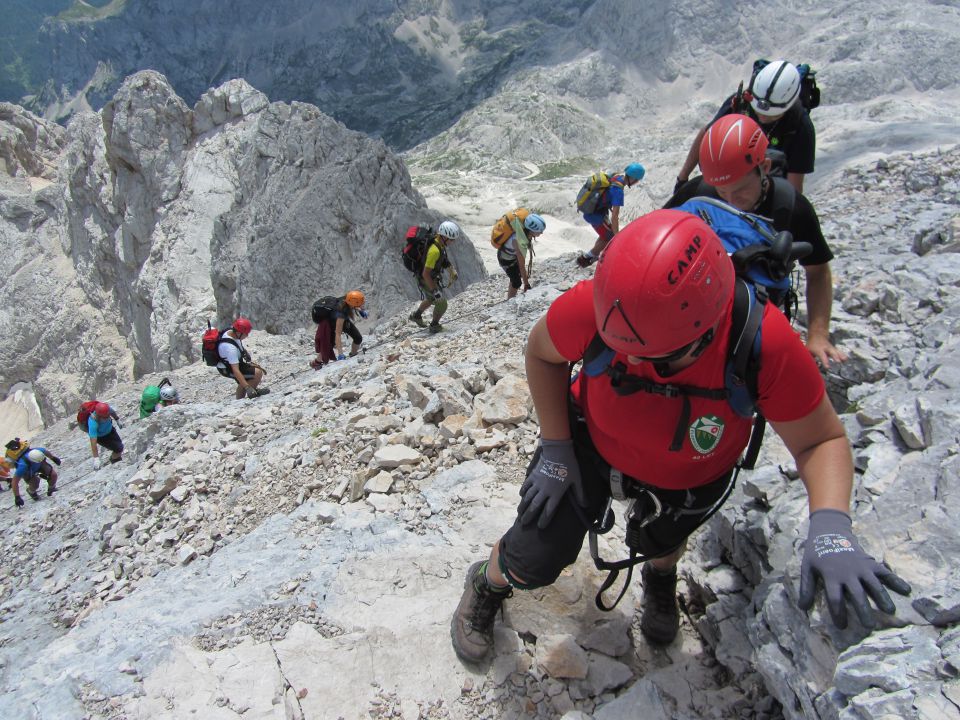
(234, 361)
(650, 418)
(736, 170)
(430, 279)
(334, 317)
(513, 236)
(157, 396)
(31, 467)
(773, 99)
(600, 200)
(101, 430)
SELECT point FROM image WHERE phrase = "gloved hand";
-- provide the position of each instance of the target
(341, 356)
(18, 501)
(250, 392)
(437, 294)
(363, 314)
(679, 184)
(97, 462)
(55, 459)
(833, 553)
(556, 472)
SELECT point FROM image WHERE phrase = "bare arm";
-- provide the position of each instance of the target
(615, 219)
(548, 376)
(693, 156)
(819, 306)
(93, 447)
(796, 179)
(819, 445)
(241, 380)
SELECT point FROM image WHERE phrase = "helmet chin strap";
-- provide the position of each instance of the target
(663, 368)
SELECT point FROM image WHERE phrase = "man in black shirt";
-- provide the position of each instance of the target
(733, 159)
(772, 101)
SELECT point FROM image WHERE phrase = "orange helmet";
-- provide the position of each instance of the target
(355, 299)
(733, 146)
(661, 284)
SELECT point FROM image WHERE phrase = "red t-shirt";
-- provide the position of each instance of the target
(634, 432)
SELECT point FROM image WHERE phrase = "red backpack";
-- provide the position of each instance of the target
(84, 413)
(416, 244)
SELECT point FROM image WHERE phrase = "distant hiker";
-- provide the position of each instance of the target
(430, 279)
(773, 101)
(154, 396)
(513, 236)
(31, 467)
(600, 200)
(640, 421)
(101, 431)
(334, 317)
(234, 360)
(736, 170)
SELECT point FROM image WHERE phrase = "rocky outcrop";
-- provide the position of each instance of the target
(163, 217)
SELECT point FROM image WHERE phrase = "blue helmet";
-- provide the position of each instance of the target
(635, 171)
(534, 223)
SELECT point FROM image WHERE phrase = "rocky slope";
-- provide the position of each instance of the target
(122, 235)
(300, 555)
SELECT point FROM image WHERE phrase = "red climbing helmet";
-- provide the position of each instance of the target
(661, 284)
(101, 410)
(242, 326)
(731, 148)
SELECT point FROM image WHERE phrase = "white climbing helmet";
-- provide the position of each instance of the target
(449, 229)
(775, 88)
(168, 393)
(36, 456)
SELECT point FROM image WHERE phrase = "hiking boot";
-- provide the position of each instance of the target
(435, 328)
(471, 628)
(661, 613)
(316, 364)
(584, 261)
(418, 319)
(263, 391)
(51, 489)
(34, 495)
(115, 457)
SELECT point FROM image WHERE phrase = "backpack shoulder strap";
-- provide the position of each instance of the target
(784, 200)
(743, 365)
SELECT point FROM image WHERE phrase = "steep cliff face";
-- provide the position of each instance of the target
(401, 69)
(163, 216)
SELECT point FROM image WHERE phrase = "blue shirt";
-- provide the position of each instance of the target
(98, 428)
(25, 468)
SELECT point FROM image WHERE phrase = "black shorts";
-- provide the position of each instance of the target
(512, 269)
(246, 369)
(536, 557)
(111, 441)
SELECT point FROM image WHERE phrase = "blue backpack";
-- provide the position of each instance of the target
(763, 261)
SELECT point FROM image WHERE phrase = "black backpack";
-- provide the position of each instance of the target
(324, 308)
(416, 243)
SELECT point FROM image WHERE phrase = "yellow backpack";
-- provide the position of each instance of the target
(503, 229)
(16, 448)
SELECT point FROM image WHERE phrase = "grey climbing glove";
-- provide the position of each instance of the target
(555, 472)
(437, 294)
(251, 392)
(833, 553)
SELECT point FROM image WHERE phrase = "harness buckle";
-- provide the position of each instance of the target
(618, 489)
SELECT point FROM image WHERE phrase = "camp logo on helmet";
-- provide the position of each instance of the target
(705, 433)
(685, 260)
